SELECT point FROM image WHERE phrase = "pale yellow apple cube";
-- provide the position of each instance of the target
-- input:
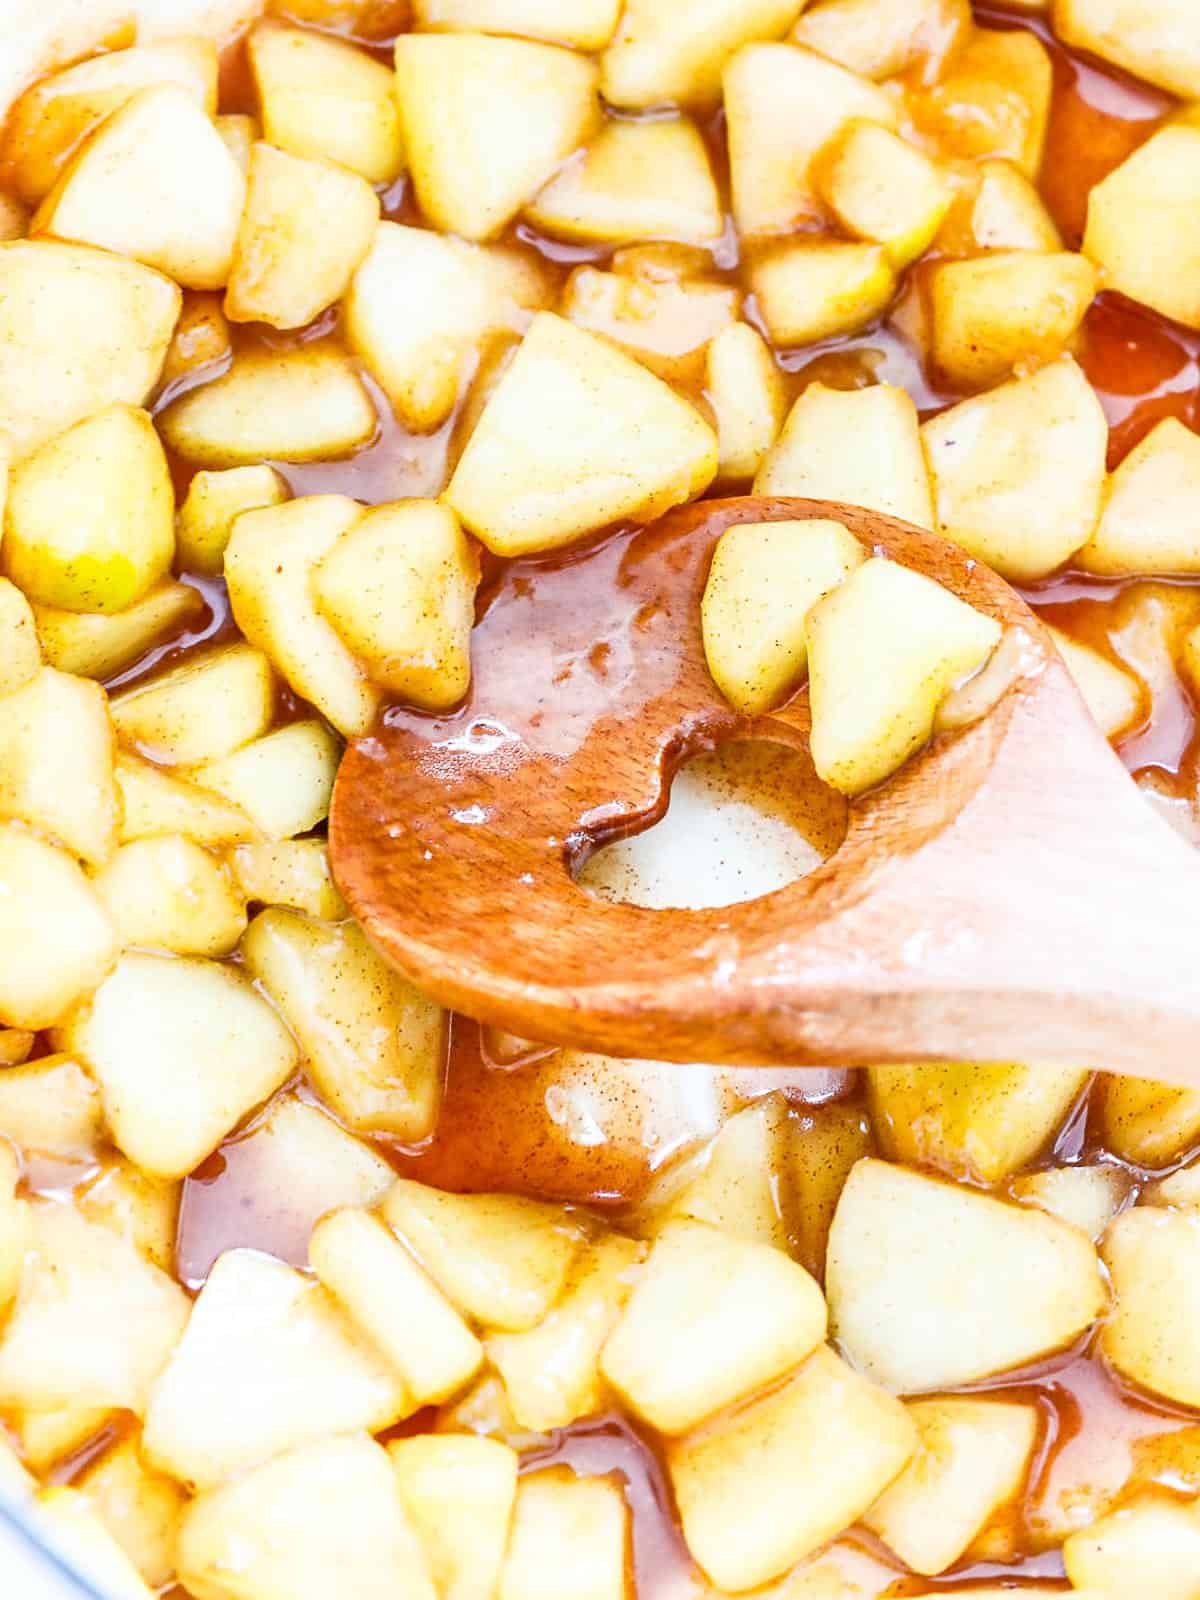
(289, 872)
(156, 182)
(202, 342)
(1018, 472)
(911, 1280)
(585, 24)
(734, 1182)
(1158, 40)
(880, 38)
(20, 647)
(90, 519)
(51, 1107)
(1087, 1196)
(666, 323)
(993, 101)
(241, 132)
(75, 1528)
(142, 1209)
(822, 1144)
(860, 446)
(1006, 310)
(812, 289)
(553, 456)
(1148, 1124)
(661, 53)
(182, 1050)
(1112, 695)
(486, 120)
(1145, 526)
(306, 226)
(170, 894)
(745, 389)
(458, 1492)
(1150, 1336)
(764, 578)
(47, 1438)
(1149, 1548)
(156, 802)
(283, 782)
(100, 644)
(140, 1507)
(484, 1411)
(882, 189)
(208, 706)
(212, 505)
(1008, 213)
(570, 1535)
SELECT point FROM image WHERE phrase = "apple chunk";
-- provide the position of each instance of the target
(661, 54)
(283, 782)
(884, 190)
(209, 705)
(1150, 1338)
(100, 644)
(1148, 1124)
(552, 457)
(458, 1491)
(1112, 695)
(662, 319)
(156, 803)
(74, 1528)
(881, 38)
(213, 503)
(1158, 41)
(288, 872)
(911, 1280)
(1151, 1547)
(812, 289)
(20, 646)
(994, 100)
(172, 895)
(745, 389)
(1141, 529)
(884, 649)
(570, 1535)
(586, 25)
(1004, 310)
(139, 1507)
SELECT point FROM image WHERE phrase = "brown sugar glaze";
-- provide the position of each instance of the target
(506, 1119)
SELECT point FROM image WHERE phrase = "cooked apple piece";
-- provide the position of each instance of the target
(997, 208)
(306, 404)
(155, 181)
(62, 785)
(81, 1276)
(1165, 1460)
(399, 588)
(182, 1050)
(170, 894)
(636, 180)
(1150, 1336)
(306, 226)
(812, 289)
(662, 54)
(861, 446)
(783, 105)
(1089, 1197)
(240, 133)
(267, 1363)
(207, 707)
(484, 1410)
(56, 939)
(1141, 528)
(79, 330)
(972, 1460)
(1112, 695)
(15, 1228)
(749, 1314)
(269, 563)
(911, 1280)
(289, 872)
(1149, 1548)
(322, 1519)
(1012, 308)
(585, 25)
(202, 338)
(552, 456)
(665, 323)
(822, 1144)
(880, 38)
(140, 1507)
(51, 1107)
(502, 1259)
(15, 1046)
(155, 802)
(142, 1209)
(764, 578)
(283, 781)
(212, 505)
(458, 1493)
(1158, 41)
(1018, 472)
(760, 1487)
(395, 1303)
(20, 651)
(552, 1372)
(883, 190)
(1148, 1124)
(993, 102)
(884, 649)
(734, 1182)
(976, 1121)
(476, 157)
(745, 390)
(97, 644)
(570, 1535)
(373, 1044)
(47, 1438)
(74, 1527)
(46, 123)
(90, 521)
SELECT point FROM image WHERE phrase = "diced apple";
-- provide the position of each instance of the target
(1158, 40)
(20, 651)
(883, 190)
(182, 1050)
(476, 157)
(320, 96)
(47, 1438)
(90, 521)
(812, 289)
(306, 226)
(783, 105)
(976, 1121)
(1009, 309)
(745, 389)
(283, 781)
(1141, 528)
(47, 122)
(51, 1107)
(241, 133)
(911, 1280)
(570, 1535)
(484, 1411)
(202, 339)
(155, 803)
(56, 939)
(170, 894)
(140, 1508)
(636, 180)
(137, 1207)
(289, 872)
(993, 102)
(212, 505)
(15, 1046)
(880, 38)
(374, 1045)
(269, 563)
(734, 1182)
(822, 1144)
(1150, 1336)
(884, 649)
(322, 1519)
(80, 1276)
(1088, 1197)
(1018, 472)
(268, 1363)
(1149, 1548)
(307, 404)
(552, 1372)
(458, 1493)
(207, 707)
(79, 330)
(97, 644)
(399, 588)
(1148, 1124)
(765, 576)
(665, 323)
(552, 456)
(74, 1527)
(1112, 695)
(660, 54)
(761, 1486)
(502, 1259)
(1008, 213)
(860, 446)
(972, 1460)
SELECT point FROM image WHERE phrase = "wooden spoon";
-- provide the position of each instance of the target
(1008, 895)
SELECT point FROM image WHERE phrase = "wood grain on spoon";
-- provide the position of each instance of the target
(1007, 895)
